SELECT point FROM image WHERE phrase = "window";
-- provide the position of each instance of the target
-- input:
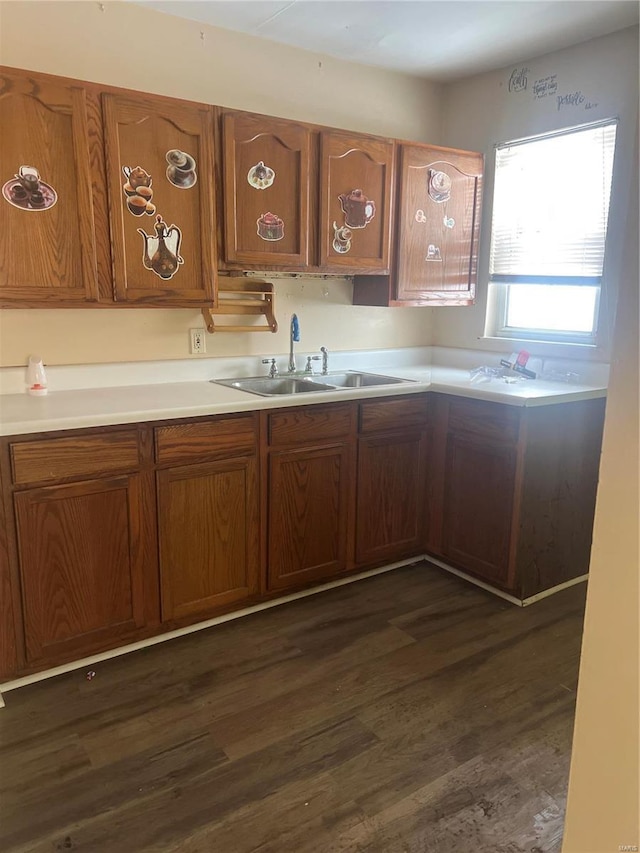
(550, 212)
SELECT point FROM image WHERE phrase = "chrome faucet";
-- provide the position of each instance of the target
(273, 370)
(294, 335)
(325, 360)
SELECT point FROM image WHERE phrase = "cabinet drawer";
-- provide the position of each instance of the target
(393, 413)
(483, 419)
(215, 439)
(75, 456)
(320, 423)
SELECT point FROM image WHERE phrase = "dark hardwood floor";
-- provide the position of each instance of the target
(407, 713)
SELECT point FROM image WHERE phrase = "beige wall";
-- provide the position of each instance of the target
(127, 45)
(482, 111)
(604, 806)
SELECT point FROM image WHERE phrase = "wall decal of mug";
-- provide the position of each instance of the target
(260, 177)
(270, 227)
(420, 216)
(449, 222)
(357, 208)
(439, 186)
(161, 253)
(27, 191)
(341, 239)
(181, 171)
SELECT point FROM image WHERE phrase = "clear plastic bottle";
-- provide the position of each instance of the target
(36, 377)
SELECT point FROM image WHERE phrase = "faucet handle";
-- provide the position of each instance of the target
(310, 358)
(273, 370)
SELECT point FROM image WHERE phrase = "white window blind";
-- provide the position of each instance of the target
(550, 208)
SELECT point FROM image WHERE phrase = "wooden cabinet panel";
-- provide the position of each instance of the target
(47, 240)
(308, 512)
(313, 424)
(76, 456)
(211, 439)
(438, 225)
(391, 482)
(8, 632)
(86, 559)
(494, 421)
(165, 192)
(266, 190)
(356, 179)
(479, 493)
(393, 413)
(209, 536)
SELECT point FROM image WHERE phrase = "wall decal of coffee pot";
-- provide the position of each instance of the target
(358, 209)
(162, 251)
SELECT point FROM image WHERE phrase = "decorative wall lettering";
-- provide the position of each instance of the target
(138, 191)
(341, 239)
(260, 177)
(161, 253)
(27, 191)
(181, 171)
(518, 80)
(570, 99)
(439, 186)
(270, 227)
(420, 216)
(433, 253)
(357, 208)
(545, 86)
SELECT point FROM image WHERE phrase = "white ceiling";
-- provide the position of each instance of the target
(438, 39)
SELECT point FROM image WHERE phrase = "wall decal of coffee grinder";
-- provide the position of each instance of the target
(161, 252)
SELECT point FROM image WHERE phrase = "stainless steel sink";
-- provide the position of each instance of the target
(269, 387)
(353, 379)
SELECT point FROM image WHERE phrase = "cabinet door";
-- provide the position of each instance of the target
(439, 222)
(209, 536)
(47, 238)
(266, 191)
(356, 178)
(478, 503)
(160, 175)
(87, 558)
(391, 478)
(308, 513)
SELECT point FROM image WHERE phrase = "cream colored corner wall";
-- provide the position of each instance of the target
(130, 46)
(603, 811)
(484, 110)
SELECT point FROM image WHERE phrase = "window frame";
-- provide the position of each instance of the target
(497, 305)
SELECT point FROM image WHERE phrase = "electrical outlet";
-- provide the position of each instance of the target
(198, 341)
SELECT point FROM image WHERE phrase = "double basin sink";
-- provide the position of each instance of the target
(267, 386)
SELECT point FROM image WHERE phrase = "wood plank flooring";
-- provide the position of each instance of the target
(406, 713)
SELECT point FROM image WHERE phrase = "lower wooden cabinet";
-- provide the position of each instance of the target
(512, 490)
(478, 504)
(391, 481)
(308, 510)
(85, 565)
(208, 526)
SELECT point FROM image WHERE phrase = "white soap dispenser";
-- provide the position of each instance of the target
(36, 377)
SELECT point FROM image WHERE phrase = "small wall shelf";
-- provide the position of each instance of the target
(241, 299)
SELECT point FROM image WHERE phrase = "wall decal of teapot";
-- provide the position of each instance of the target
(161, 252)
(27, 190)
(357, 208)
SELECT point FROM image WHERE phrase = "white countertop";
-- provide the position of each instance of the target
(74, 409)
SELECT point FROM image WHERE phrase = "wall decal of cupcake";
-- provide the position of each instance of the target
(270, 227)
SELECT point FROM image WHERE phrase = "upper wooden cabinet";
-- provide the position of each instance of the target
(160, 170)
(47, 235)
(438, 225)
(266, 191)
(356, 180)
